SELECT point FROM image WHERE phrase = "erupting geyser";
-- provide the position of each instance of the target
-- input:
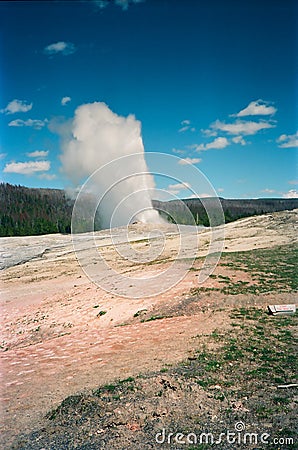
(93, 139)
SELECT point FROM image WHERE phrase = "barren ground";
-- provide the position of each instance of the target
(62, 335)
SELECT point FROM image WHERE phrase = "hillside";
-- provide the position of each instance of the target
(29, 211)
(233, 209)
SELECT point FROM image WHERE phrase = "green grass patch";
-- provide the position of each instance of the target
(153, 318)
(271, 269)
(140, 312)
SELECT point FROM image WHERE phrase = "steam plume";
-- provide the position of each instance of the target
(95, 137)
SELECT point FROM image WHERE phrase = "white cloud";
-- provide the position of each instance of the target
(35, 123)
(239, 140)
(288, 140)
(16, 106)
(257, 108)
(27, 168)
(293, 182)
(183, 129)
(220, 142)
(65, 48)
(217, 143)
(241, 127)
(47, 176)
(220, 190)
(268, 191)
(3, 155)
(204, 195)
(185, 161)
(293, 193)
(186, 126)
(179, 186)
(209, 133)
(124, 4)
(282, 138)
(65, 100)
(178, 151)
(38, 154)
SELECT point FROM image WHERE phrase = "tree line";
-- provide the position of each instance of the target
(175, 210)
(29, 211)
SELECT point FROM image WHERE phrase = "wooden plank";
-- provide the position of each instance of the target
(281, 309)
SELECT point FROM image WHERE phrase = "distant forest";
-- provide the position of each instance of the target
(233, 209)
(28, 211)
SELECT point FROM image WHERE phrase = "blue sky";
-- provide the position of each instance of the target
(213, 82)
